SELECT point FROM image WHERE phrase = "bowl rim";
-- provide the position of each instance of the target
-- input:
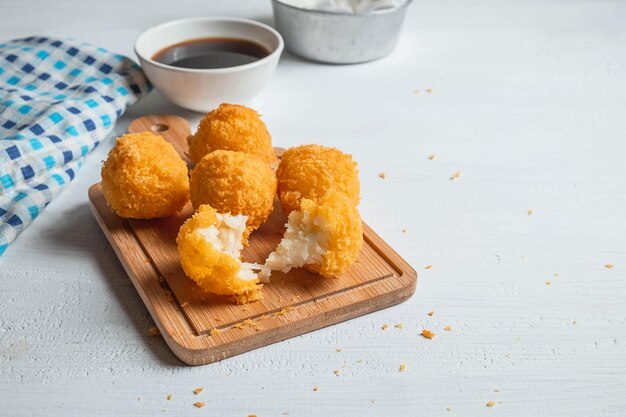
(277, 51)
(342, 13)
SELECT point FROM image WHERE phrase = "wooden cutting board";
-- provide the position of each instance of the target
(202, 329)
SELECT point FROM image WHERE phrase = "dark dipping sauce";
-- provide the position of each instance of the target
(211, 53)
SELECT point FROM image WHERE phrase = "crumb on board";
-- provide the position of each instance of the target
(168, 295)
(154, 331)
(428, 334)
(338, 350)
(382, 175)
(199, 404)
(385, 326)
(456, 176)
(428, 267)
(248, 323)
(214, 331)
(184, 304)
(402, 367)
(336, 372)
(295, 298)
(608, 266)
(169, 397)
(529, 212)
(148, 261)
(548, 282)
(217, 319)
(432, 156)
(284, 311)
(198, 390)
(447, 328)
(316, 388)
(430, 313)
(399, 326)
(490, 404)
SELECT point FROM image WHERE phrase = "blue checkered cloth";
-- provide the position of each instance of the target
(58, 99)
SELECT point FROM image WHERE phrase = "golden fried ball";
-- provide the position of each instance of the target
(209, 246)
(144, 178)
(234, 128)
(324, 236)
(235, 183)
(310, 171)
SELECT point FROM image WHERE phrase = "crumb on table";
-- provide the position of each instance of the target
(428, 267)
(609, 266)
(402, 367)
(199, 404)
(428, 334)
(456, 175)
(447, 328)
(399, 326)
(169, 397)
(198, 390)
(431, 156)
(490, 404)
(430, 313)
(382, 175)
(154, 331)
(385, 326)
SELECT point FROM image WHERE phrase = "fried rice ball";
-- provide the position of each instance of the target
(310, 171)
(324, 237)
(235, 183)
(143, 177)
(209, 246)
(235, 128)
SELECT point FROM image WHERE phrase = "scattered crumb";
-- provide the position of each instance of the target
(496, 390)
(248, 323)
(447, 328)
(385, 326)
(199, 404)
(609, 266)
(373, 401)
(251, 415)
(217, 319)
(148, 261)
(198, 390)
(574, 322)
(214, 331)
(449, 408)
(338, 350)
(431, 156)
(399, 326)
(359, 360)
(336, 372)
(184, 304)
(154, 331)
(245, 309)
(382, 175)
(284, 311)
(430, 313)
(456, 175)
(429, 90)
(295, 298)
(416, 91)
(548, 282)
(169, 397)
(529, 212)
(491, 404)
(402, 367)
(428, 334)
(404, 230)
(168, 295)
(428, 267)
(285, 413)
(556, 275)
(316, 388)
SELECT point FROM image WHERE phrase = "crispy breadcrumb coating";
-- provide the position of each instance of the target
(144, 178)
(209, 245)
(235, 128)
(310, 171)
(235, 183)
(324, 237)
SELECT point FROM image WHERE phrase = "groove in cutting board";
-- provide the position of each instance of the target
(293, 303)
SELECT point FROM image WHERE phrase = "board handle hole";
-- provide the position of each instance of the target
(159, 127)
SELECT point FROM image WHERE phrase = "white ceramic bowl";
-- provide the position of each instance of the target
(204, 89)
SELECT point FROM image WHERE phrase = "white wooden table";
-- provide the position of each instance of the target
(528, 102)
